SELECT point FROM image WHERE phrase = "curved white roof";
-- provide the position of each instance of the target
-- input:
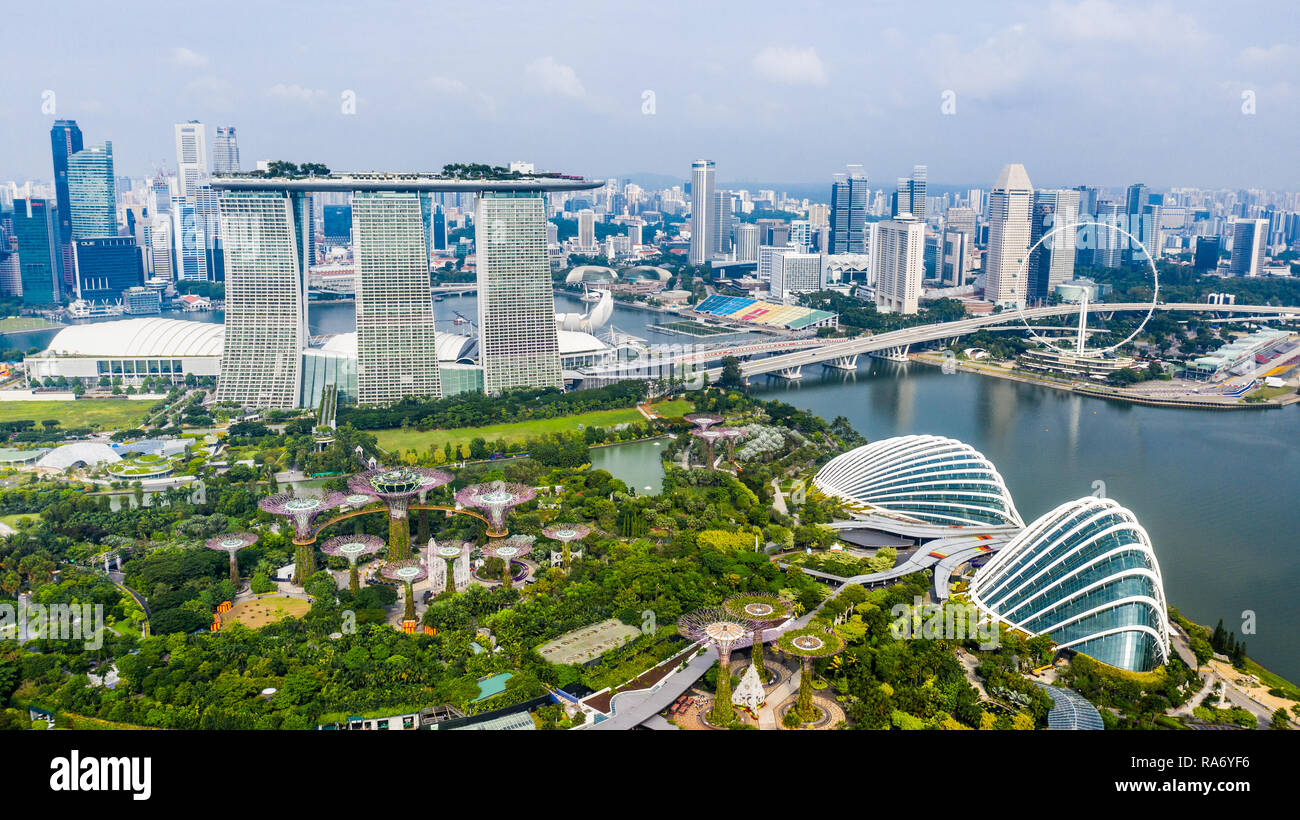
(88, 453)
(573, 342)
(927, 478)
(451, 346)
(127, 338)
(1086, 575)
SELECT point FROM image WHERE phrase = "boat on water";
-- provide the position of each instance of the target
(82, 309)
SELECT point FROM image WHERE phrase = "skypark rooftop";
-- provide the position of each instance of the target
(371, 181)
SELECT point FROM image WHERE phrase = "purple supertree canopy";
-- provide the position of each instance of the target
(231, 541)
(508, 549)
(352, 547)
(495, 498)
(409, 571)
(730, 432)
(717, 627)
(565, 533)
(704, 420)
(301, 508)
(708, 435)
(391, 483)
(451, 550)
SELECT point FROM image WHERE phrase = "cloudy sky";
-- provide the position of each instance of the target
(1080, 91)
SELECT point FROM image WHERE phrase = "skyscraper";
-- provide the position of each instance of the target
(703, 239)
(848, 211)
(191, 154)
(747, 243)
(1248, 237)
(910, 196)
(587, 229)
(37, 232)
(92, 192)
(900, 264)
(65, 140)
(1052, 261)
(396, 352)
(1109, 244)
(225, 151)
(721, 215)
(1009, 206)
(518, 343)
(266, 306)
(106, 266)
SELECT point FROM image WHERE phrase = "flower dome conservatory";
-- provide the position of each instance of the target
(1086, 575)
(931, 479)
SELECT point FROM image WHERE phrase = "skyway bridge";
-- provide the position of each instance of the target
(844, 354)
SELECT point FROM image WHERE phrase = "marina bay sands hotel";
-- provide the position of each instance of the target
(267, 229)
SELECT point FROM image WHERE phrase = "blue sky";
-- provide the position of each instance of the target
(1080, 91)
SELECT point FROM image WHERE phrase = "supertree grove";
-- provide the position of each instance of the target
(704, 421)
(303, 511)
(566, 534)
(397, 486)
(806, 644)
(508, 549)
(495, 499)
(352, 547)
(721, 629)
(231, 543)
(764, 611)
(408, 572)
(708, 437)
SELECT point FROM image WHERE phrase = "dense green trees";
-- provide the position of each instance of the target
(477, 409)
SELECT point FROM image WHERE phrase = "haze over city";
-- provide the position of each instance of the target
(1091, 91)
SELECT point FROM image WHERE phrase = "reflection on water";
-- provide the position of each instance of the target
(637, 463)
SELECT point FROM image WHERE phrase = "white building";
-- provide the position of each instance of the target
(587, 230)
(131, 349)
(1009, 204)
(703, 236)
(191, 154)
(395, 334)
(900, 264)
(794, 272)
(266, 305)
(516, 306)
(1248, 237)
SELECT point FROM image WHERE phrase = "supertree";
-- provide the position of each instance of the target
(450, 552)
(352, 547)
(508, 549)
(764, 611)
(806, 644)
(730, 434)
(719, 628)
(565, 534)
(397, 486)
(495, 499)
(708, 437)
(409, 572)
(704, 421)
(231, 543)
(303, 511)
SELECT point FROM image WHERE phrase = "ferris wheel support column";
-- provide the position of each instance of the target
(1083, 321)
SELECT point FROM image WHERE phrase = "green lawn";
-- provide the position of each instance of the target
(18, 323)
(401, 440)
(109, 414)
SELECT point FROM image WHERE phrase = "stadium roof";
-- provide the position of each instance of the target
(88, 453)
(129, 338)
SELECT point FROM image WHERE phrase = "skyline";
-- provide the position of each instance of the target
(768, 100)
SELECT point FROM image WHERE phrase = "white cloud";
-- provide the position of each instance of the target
(998, 66)
(1270, 56)
(292, 92)
(555, 78)
(1156, 26)
(188, 57)
(447, 85)
(792, 66)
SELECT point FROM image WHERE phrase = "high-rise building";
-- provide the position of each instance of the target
(518, 342)
(1205, 252)
(65, 140)
(107, 266)
(848, 211)
(1109, 243)
(795, 271)
(747, 242)
(37, 231)
(900, 264)
(266, 301)
(703, 238)
(225, 151)
(587, 229)
(396, 351)
(766, 260)
(962, 220)
(910, 196)
(1248, 237)
(92, 192)
(1052, 259)
(438, 228)
(954, 261)
(721, 216)
(191, 154)
(801, 234)
(336, 223)
(1010, 201)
